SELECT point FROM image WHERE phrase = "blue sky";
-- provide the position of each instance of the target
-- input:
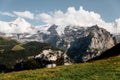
(108, 9)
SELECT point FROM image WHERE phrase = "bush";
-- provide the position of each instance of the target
(26, 65)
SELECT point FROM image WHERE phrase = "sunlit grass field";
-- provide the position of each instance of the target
(107, 69)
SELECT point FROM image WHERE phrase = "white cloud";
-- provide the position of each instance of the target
(7, 14)
(79, 17)
(19, 25)
(25, 14)
(72, 16)
(45, 17)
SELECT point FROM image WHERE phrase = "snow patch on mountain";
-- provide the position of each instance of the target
(43, 28)
(60, 30)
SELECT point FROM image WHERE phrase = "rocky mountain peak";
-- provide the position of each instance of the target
(92, 43)
(52, 29)
(20, 21)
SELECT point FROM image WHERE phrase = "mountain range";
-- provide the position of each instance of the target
(21, 26)
(76, 43)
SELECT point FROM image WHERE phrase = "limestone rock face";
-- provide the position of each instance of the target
(54, 57)
(91, 43)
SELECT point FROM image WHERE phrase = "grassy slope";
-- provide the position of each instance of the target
(7, 43)
(107, 69)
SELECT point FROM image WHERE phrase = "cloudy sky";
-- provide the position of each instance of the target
(63, 12)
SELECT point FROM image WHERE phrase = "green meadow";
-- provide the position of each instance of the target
(106, 69)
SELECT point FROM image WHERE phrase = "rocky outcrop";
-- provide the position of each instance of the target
(53, 57)
(91, 43)
(46, 58)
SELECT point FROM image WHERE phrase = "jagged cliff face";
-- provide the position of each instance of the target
(81, 44)
(92, 43)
